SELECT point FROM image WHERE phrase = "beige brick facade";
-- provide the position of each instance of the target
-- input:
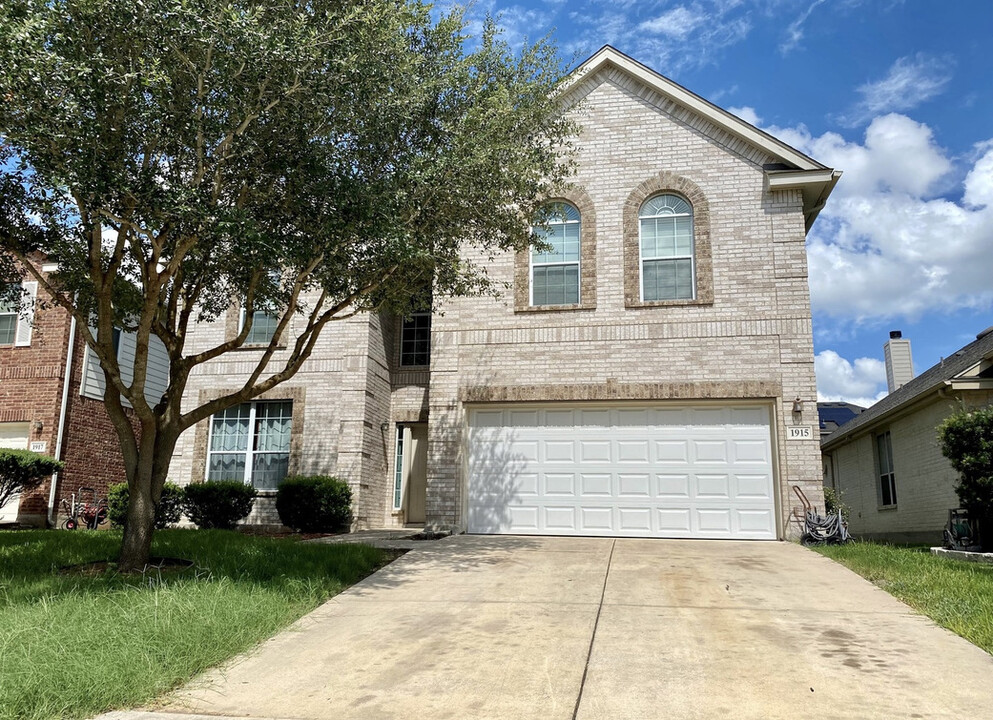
(746, 335)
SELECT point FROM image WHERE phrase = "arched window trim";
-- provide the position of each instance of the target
(581, 201)
(569, 215)
(681, 208)
(663, 183)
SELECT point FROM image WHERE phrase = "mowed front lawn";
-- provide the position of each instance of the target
(955, 594)
(73, 645)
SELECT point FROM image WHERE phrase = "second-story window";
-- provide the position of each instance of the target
(555, 272)
(8, 322)
(666, 235)
(415, 340)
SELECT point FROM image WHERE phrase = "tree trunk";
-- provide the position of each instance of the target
(138, 528)
(144, 493)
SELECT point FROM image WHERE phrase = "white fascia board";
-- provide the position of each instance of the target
(815, 185)
(720, 117)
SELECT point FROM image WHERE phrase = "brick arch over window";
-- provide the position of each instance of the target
(667, 182)
(587, 259)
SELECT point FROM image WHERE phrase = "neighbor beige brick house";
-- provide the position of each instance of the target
(886, 463)
(653, 375)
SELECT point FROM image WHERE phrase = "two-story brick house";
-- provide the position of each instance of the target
(51, 401)
(650, 375)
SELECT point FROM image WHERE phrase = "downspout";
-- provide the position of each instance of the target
(62, 420)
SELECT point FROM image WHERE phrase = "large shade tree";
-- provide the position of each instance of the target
(314, 159)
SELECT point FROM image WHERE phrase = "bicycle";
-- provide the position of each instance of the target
(93, 512)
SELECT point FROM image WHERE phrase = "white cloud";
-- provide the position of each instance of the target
(676, 23)
(684, 37)
(794, 32)
(911, 80)
(862, 382)
(747, 114)
(892, 242)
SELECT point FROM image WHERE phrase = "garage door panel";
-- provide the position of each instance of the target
(674, 486)
(710, 487)
(560, 518)
(674, 521)
(560, 451)
(750, 451)
(599, 471)
(755, 522)
(714, 521)
(596, 518)
(632, 451)
(634, 520)
(752, 486)
(595, 485)
(672, 451)
(559, 484)
(594, 451)
(710, 451)
(634, 485)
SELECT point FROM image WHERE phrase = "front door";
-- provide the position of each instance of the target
(415, 471)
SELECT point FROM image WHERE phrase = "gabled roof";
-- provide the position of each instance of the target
(967, 368)
(795, 170)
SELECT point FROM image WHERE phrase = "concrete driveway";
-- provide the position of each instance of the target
(520, 627)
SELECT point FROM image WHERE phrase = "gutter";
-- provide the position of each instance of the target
(62, 420)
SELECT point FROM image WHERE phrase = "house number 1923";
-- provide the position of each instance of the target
(798, 433)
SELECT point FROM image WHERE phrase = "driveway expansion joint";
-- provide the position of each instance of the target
(596, 623)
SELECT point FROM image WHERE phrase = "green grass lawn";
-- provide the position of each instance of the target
(955, 594)
(73, 646)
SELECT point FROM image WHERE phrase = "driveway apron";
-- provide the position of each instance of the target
(525, 627)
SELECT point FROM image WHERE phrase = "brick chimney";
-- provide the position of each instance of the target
(899, 363)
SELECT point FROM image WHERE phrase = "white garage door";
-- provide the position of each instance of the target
(14, 436)
(660, 471)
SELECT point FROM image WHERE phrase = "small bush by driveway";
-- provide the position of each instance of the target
(72, 644)
(956, 595)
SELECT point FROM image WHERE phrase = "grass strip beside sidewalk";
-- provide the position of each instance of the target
(73, 645)
(955, 594)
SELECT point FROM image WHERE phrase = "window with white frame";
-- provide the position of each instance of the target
(666, 242)
(555, 271)
(8, 320)
(251, 443)
(887, 478)
(415, 340)
(264, 326)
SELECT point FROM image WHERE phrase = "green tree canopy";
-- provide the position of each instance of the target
(313, 159)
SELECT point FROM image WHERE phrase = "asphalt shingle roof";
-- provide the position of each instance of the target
(921, 385)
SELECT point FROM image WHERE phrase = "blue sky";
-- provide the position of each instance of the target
(898, 95)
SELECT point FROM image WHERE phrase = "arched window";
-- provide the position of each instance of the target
(555, 272)
(666, 242)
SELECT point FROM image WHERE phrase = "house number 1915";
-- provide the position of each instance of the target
(798, 433)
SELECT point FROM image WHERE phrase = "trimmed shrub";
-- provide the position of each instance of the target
(218, 503)
(317, 503)
(167, 512)
(966, 439)
(22, 470)
(833, 503)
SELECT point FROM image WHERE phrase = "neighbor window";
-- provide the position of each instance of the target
(251, 443)
(887, 479)
(666, 241)
(8, 320)
(555, 271)
(415, 340)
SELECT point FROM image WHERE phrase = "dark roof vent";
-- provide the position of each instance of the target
(984, 333)
(895, 334)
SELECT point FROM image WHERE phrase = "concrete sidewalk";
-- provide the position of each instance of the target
(519, 627)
